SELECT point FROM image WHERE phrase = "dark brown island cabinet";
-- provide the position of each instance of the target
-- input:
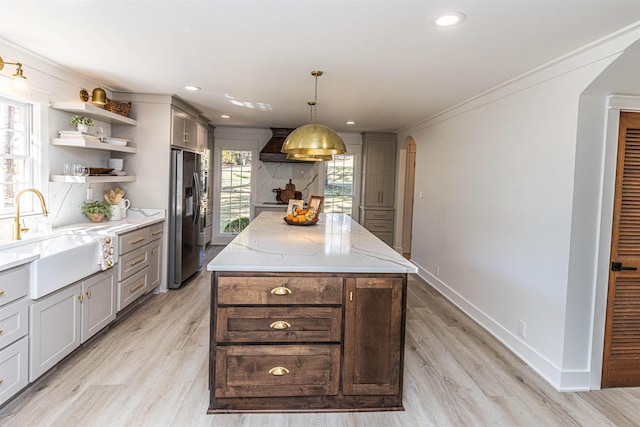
(307, 319)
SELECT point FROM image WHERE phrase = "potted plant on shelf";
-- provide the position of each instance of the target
(82, 123)
(96, 210)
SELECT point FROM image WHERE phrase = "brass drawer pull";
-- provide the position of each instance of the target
(1, 292)
(280, 324)
(281, 290)
(155, 233)
(136, 262)
(1, 331)
(133, 242)
(138, 286)
(279, 371)
(1, 380)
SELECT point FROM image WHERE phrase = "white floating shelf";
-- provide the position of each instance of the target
(82, 143)
(89, 110)
(90, 179)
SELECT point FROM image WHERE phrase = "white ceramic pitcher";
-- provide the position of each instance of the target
(124, 205)
(116, 213)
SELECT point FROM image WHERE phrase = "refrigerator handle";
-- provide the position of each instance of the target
(196, 200)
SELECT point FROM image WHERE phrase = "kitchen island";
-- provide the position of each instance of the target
(307, 318)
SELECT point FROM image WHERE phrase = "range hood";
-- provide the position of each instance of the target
(271, 151)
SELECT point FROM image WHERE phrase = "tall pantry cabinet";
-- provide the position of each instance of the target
(378, 184)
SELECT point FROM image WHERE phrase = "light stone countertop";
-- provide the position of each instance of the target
(336, 244)
(136, 218)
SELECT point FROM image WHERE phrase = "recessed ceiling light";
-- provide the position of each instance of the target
(351, 122)
(191, 87)
(225, 116)
(447, 19)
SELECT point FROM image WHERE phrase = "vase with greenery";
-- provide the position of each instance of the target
(82, 123)
(96, 210)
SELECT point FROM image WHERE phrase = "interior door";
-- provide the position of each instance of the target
(621, 358)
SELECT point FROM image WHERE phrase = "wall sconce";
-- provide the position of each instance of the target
(99, 96)
(18, 78)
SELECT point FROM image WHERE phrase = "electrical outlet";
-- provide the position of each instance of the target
(437, 271)
(522, 328)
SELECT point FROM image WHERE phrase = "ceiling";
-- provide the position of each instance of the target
(385, 65)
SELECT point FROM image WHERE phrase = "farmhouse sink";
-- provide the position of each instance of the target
(64, 259)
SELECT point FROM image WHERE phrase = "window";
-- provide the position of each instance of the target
(235, 191)
(16, 154)
(339, 184)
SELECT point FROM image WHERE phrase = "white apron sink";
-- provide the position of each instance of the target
(64, 259)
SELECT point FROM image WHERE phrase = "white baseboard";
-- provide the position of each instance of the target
(559, 379)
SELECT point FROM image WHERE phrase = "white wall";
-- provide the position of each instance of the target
(49, 83)
(502, 217)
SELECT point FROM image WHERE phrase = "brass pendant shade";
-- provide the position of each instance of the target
(313, 139)
(309, 157)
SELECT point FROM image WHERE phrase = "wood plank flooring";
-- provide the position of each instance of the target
(150, 369)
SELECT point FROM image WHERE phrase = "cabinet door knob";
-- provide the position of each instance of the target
(80, 297)
(89, 293)
(281, 290)
(280, 324)
(1, 292)
(279, 371)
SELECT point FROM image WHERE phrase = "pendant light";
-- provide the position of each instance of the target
(314, 139)
(310, 157)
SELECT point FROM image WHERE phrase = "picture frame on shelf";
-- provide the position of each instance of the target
(293, 204)
(315, 203)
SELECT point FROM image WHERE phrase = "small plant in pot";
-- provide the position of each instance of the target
(82, 123)
(96, 210)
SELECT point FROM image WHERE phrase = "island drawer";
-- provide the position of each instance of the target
(270, 370)
(279, 290)
(278, 324)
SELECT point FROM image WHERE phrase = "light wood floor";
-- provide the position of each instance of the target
(150, 369)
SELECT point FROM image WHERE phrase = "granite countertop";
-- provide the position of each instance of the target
(136, 218)
(335, 244)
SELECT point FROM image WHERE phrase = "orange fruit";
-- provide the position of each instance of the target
(294, 219)
(303, 212)
(302, 218)
(290, 216)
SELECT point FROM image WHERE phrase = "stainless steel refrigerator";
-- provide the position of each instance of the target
(185, 252)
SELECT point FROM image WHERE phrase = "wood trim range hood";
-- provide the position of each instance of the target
(271, 151)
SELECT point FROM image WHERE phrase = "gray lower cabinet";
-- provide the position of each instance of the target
(54, 329)
(61, 321)
(98, 304)
(140, 263)
(14, 342)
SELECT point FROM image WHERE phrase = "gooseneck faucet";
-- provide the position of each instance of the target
(16, 216)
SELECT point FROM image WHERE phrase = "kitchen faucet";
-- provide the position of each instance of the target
(16, 217)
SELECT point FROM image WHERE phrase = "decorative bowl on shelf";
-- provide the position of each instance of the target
(100, 171)
(117, 141)
(307, 222)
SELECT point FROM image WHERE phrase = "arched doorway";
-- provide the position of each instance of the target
(409, 185)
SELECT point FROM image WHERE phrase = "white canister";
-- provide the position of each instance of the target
(116, 213)
(124, 205)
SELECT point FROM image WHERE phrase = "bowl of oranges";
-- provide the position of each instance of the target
(301, 217)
